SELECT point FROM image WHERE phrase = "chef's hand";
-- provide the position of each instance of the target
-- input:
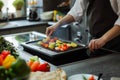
(96, 44)
(50, 30)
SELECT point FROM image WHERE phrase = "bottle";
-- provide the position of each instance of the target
(54, 15)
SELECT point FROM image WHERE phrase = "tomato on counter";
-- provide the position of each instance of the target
(36, 65)
(45, 67)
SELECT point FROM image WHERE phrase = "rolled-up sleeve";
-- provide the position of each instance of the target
(77, 10)
(116, 7)
(118, 13)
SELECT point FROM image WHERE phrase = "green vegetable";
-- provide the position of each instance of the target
(84, 78)
(34, 58)
(2, 72)
(6, 45)
(18, 71)
(20, 68)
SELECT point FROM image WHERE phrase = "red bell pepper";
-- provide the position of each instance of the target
(45, 67)
(5, 53)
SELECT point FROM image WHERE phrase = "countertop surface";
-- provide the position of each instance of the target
(20, 23)
(108, 64)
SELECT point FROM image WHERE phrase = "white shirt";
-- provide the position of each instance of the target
(79, 7)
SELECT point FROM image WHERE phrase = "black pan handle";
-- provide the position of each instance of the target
(104, 49)
(99, 76)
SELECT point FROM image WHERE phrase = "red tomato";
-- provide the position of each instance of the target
(5, 53)
(91, 78)
(65, 45)
(1, 60)
(65, 48)
(44, 67)
(46, 45)
(34, 66)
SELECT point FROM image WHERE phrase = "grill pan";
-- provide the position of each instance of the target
(55, 57)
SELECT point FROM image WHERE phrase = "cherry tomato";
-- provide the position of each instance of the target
(4, 53)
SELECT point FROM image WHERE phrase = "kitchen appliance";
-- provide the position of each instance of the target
(55, 57)
(33, 14)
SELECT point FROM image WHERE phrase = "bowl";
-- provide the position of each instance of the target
(48, 15)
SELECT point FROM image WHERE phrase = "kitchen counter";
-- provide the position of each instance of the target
(22, 26)
(21, 23)
(107, 64)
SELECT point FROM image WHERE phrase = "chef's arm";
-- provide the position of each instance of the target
(65, 20)
(115, 31)
(109, 35)
(112, 33)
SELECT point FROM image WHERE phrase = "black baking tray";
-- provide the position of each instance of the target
(54, 57)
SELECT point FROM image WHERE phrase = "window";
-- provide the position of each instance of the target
(11, 9)
(8, 4)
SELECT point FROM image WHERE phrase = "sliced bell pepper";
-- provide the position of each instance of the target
(20, 68)
(8, 61)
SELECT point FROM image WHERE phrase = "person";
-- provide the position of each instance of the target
(103, 18)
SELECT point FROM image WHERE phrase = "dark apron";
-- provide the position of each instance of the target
(101, 18)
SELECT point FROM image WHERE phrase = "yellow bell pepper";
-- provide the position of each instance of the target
(8, 61)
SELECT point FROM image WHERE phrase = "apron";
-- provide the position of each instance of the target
(101, 18)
